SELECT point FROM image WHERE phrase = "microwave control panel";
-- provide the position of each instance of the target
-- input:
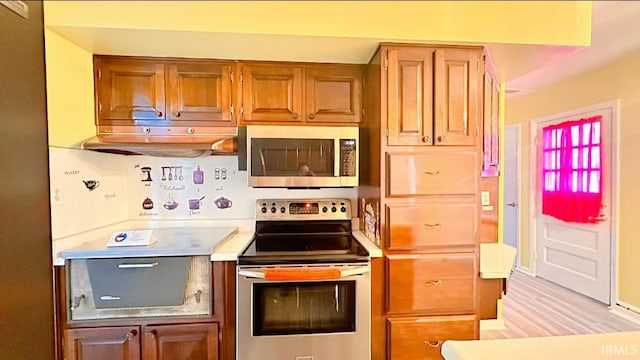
(348, 157)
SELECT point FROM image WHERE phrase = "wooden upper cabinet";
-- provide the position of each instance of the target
(200, 91)
(272, 93)
(410, 96)
(114, 343)
(130, 90)
(491, 122)
(188, 342)
(334, 94)
(457, 96)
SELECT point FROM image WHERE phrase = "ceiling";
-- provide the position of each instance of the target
(524, 68)
(614, 32)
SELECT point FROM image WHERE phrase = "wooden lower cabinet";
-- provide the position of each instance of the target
(113, 343)
(153, 342)
(184, 342)
(411, 338)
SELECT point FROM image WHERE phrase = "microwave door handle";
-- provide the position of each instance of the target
(264, 167)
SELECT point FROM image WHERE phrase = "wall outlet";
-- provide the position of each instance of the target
(485, 198)
(56, 195)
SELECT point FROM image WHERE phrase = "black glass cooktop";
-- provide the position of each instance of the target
(303, 242)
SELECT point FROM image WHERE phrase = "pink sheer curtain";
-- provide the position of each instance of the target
(572, 170)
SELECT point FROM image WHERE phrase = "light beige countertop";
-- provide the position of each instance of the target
(496, 260)
(621, 345)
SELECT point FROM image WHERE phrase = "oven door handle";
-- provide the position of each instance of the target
(344, 273)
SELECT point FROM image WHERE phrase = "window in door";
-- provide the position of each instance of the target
(572, 170)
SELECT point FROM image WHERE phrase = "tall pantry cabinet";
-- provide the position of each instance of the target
(423, 140)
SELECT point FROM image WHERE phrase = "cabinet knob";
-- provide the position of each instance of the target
(442, 138)
(159, 113)
(177, 114)
(433, 344)
(152, 333)
(294, 115)
(190, 131)
(426, 139)
(146, 130)
(311, 116)
(132, 334)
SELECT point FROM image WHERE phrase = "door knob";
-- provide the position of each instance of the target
(512, 204)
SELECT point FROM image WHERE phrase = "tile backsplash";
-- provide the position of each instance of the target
(90, 190)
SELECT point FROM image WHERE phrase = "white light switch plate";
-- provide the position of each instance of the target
(485, 198)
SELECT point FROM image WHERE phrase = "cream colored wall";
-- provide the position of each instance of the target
(519, 22)
(618, 79)
(70, 107)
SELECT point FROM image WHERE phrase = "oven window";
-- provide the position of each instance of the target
(304, 308)
(292, 157)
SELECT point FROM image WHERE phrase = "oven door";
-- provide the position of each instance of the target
(312, 318)
(302, 156)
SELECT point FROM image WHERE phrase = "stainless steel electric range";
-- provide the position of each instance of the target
(303, 290)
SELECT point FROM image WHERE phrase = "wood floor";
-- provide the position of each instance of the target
(537, 307)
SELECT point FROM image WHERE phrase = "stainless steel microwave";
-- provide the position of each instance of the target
(302, 156)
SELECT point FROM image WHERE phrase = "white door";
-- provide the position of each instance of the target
(576, 256)
(511, 227)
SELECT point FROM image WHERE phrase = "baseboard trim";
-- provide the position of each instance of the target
(492, 324)
(626, 311)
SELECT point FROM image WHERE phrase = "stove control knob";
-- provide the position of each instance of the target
(324, 209)
(343, 209)
(264, 209)
(273, 210)
(282, 209)
(333, 209)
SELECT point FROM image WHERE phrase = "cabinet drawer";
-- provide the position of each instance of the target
(438, 283)
(435, 223)
(453, 172)
(422, 338)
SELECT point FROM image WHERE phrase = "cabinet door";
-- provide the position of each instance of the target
(200, 92)
(491, 123)
(184, 342)
(130, 90)
(334, 94)
(422, 337)
(113, 343)
(272, 93)
(456, 99)
(410, 96)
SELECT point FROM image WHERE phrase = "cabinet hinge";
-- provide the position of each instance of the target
(220, 336)
(535, 141)
(231, 77)
(386, 63)
(241, 110)
(241, 78)
(363, 80)
(386, 132)
(478, 65)
(231, 109)
(99, 74)
(99, 107)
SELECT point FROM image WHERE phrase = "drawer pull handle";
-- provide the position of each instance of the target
(432, 282)
(437, 172)
(433, 344)
(432, 225)
(137, 266)
(109, 298)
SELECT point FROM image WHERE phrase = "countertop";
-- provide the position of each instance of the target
(222, 240)
(496, 260)
(174, 241)
(621, 345)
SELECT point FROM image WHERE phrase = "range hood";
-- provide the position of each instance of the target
(164, 141)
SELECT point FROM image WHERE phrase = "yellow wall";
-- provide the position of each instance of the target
(615, 80)
(70, 108)
(520, 22)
